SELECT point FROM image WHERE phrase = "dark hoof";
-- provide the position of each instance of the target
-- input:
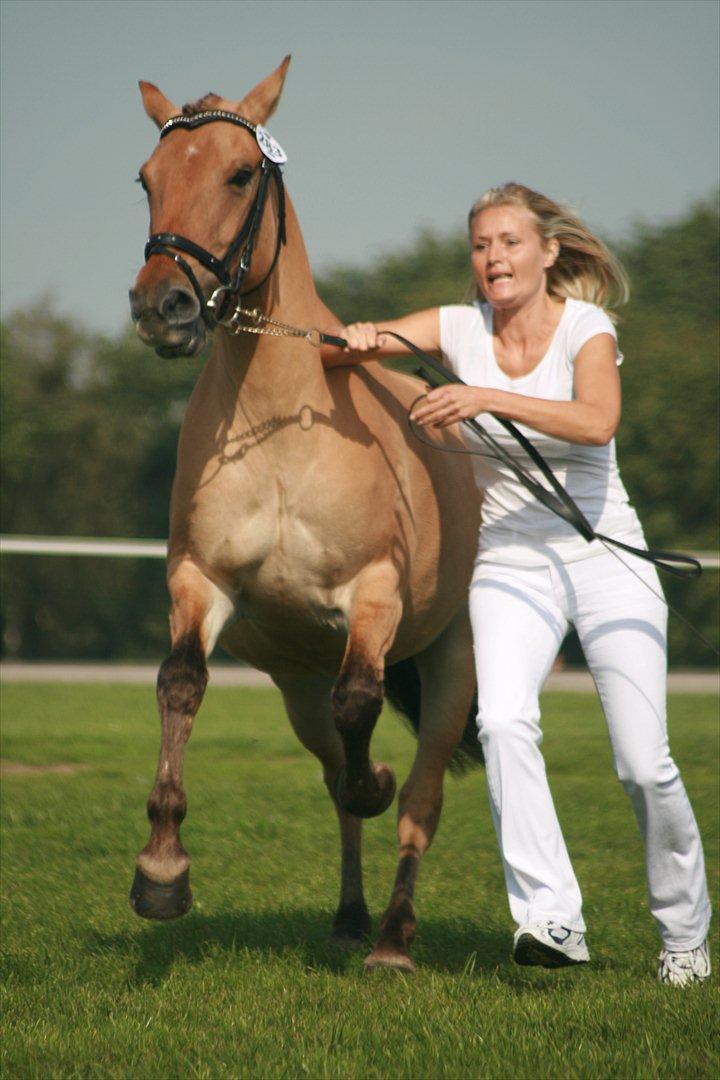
(153, 901)
(366, 800)
(351, 926)
(348, 941)
(392, 960)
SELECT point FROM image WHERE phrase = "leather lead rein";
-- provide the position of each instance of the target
(557, 500)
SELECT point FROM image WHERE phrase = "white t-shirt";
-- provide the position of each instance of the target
(515, 527)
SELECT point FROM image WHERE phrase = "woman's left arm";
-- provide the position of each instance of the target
(591, 418)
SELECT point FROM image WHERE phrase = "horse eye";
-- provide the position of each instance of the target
(241, 178)
(140, 180)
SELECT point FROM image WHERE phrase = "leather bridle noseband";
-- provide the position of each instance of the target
(231, 282)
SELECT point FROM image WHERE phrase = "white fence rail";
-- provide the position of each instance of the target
(157, 549)
(82, 545)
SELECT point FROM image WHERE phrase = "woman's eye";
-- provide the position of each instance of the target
(241, 178)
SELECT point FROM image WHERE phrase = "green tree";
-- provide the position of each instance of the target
(668, 438)
(89, 428)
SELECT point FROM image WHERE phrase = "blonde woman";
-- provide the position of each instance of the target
(538, 348)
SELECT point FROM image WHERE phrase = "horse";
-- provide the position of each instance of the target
(310, 534)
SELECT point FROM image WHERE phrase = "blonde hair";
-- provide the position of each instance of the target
(585, 269)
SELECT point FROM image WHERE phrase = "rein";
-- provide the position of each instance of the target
(556, 498)
(170, 244)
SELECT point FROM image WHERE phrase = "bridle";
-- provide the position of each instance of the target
(215, 309)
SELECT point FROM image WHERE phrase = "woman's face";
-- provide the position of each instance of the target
(509, 257)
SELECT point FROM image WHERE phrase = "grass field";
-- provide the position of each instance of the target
(248, 984)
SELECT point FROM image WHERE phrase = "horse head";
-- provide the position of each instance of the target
(207, 184)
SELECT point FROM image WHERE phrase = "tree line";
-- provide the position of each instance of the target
(90, 425)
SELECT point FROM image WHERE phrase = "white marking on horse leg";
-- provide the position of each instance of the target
(221, 609)
(198, 604)
(199, 611)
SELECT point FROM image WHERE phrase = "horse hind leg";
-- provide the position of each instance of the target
(307, 702)
(362, 788)
(447, 682)
(161, 887)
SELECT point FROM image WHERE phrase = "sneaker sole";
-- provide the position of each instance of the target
(693, 980)
(533, 953)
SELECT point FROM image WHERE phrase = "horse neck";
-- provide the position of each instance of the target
(269, 372)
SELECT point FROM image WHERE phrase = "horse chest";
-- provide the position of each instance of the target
(294, 586)
(267, 556)
(298, 569)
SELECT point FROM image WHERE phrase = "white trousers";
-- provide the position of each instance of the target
(520, 616)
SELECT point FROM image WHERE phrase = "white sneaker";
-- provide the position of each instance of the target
(548, 944)
(684, 968)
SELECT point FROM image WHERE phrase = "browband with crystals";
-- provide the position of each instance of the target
(269, 146)
(204, 118)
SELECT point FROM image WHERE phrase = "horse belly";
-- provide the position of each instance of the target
(282, 629)
(284, 650)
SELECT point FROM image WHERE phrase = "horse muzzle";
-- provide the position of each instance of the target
(172, 323)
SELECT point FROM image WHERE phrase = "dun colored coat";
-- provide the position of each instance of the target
(310, 533)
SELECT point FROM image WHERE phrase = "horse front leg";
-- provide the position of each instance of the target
(362, 788)
(161, 887)
(447, 678)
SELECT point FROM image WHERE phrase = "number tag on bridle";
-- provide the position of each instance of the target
(270, 147)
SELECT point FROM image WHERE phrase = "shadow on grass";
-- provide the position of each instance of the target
(299, 935)
(452, 946)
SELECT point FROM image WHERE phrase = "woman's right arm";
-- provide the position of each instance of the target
(366, 342)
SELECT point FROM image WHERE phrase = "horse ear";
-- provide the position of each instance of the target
(261, 103)
(157, 106)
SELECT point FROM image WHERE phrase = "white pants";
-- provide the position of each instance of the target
(520, 616)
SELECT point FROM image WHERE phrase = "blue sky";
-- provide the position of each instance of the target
(397, 114)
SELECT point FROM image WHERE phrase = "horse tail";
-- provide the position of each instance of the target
(402, 690)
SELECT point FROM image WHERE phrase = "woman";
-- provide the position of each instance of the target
(538, 348)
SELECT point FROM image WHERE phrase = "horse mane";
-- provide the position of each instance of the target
(208, 101)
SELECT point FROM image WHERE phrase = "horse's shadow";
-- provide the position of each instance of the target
(444, 945)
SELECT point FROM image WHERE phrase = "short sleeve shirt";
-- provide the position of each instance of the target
(515, 527)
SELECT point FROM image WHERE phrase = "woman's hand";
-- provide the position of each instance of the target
(365, 342)
(362, 337)
(446, 405)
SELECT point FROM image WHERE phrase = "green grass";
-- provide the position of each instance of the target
(247, 984)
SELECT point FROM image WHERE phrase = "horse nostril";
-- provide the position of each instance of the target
(179, 307)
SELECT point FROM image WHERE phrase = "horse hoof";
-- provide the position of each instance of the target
(392, 961)
(363, 800)
(153, 901)
(351, 926)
